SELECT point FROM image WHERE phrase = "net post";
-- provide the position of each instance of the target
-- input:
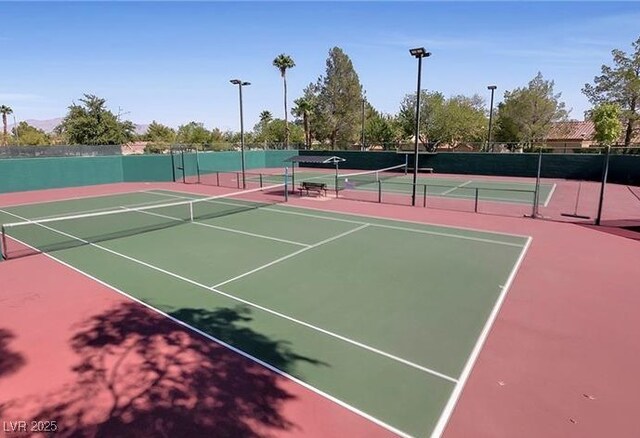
(379, 192)
(476, 204)
(238, 178)
(260, 179)
(335, 182)
(424, 196)
(218, 178)
(3, 244)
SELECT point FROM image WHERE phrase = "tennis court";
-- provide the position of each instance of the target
(384, 317)
(365, 185)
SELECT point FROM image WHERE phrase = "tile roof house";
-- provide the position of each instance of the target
(572, 134)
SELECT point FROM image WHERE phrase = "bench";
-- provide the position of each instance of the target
(421, 169)
(315, 187)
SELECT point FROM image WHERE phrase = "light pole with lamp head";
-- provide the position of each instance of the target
(241, 84)
(490, 144)
(419, 53)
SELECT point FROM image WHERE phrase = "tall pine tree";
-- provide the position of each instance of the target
(339, 101)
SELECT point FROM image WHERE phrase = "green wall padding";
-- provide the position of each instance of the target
(146, 168)
(276, 158)
(623, 169)
(46, 173)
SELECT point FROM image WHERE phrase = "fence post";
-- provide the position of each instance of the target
(476, 207)
(286, 184)
(605, 173)
(424, 196)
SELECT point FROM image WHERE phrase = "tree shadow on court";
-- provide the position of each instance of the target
(10, 361)
(140, 374)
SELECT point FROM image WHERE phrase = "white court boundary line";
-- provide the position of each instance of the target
(73, 198)
(460, 382)
(553, 189)
(96, 210)
(232, 348)
(466, 372)
(266, 309)
(446, 192)
(435, 233)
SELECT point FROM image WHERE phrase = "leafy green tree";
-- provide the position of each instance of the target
(283, 63)
(606, 118)
(5, 111)
(27, 135)
(302, 109)
(531, 111)
(462, 119)
(193, 133)
(339, 99)
(217, 136)
(506, 130)
(381, 129)
(159, 133)
(431, 106)
(273, 132)
(620, 84)
(91, 123)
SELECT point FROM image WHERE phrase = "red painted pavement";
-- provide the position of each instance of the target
(561, 359)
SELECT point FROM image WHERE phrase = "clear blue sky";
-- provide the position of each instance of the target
(171, 62)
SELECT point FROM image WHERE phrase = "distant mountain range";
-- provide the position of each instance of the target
(50, 124)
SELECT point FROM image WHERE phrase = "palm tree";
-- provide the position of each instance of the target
(265, 117)
(303, 109)
(283, 62)
(5, 111)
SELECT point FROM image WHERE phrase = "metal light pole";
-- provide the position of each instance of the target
(419, 53)
(492, 88)
(241, 84)
(364, 100)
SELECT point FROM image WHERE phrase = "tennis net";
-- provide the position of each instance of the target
(353, 180)
(32, 236)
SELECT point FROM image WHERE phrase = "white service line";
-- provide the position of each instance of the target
(249, 303)
(462, 380)
(231, 230)
(553, 189)
(446, 192)
(288, 256)
(232, 348)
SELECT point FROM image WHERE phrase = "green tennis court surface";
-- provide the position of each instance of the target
(384, 316)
